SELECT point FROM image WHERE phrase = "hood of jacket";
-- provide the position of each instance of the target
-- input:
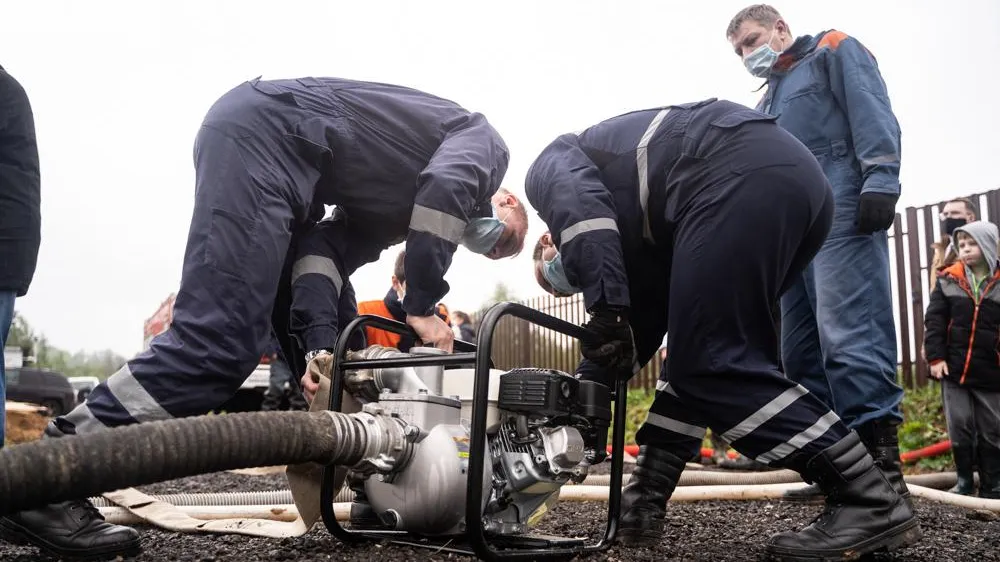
(986, 236)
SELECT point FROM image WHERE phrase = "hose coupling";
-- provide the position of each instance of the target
(389, 443)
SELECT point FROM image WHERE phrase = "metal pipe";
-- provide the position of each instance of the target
(369, 383)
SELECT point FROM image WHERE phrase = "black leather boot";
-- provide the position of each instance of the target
(863, 514)
(989, 471)
(644, 499)
(964, 459)
(881, 439)
(73, 529)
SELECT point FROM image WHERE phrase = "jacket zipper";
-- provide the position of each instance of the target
(972, 334)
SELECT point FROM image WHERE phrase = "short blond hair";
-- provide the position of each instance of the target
(764, 14)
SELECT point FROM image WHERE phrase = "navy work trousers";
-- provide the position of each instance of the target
(253, 195)
(755, 223)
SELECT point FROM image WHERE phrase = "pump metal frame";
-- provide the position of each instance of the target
(528, 547)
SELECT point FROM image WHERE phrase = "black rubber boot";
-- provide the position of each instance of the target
(964, 459)
(989, 471)
(644, 499)
(74, 529)
(864, 513)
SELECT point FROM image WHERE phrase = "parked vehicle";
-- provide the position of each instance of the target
(83, 386)
(249, 397)
(45, 388)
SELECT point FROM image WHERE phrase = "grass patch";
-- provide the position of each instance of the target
(924, 424)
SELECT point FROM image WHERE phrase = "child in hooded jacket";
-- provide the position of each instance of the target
(962, 338)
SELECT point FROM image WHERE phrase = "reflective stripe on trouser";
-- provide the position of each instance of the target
(736, 244)
(850, 364)
(237, 243)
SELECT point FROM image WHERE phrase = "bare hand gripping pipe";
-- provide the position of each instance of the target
(78, 466)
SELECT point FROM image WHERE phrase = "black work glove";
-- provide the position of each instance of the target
(612, 347)
(876, 211)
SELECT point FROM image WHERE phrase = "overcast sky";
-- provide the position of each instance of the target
(120, 88)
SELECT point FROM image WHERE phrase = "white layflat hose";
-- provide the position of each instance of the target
(580, 493)
(277, 505)
(688, 479)
(278, 512)
(717, 478)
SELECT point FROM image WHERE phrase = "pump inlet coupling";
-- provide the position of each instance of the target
(78, 466)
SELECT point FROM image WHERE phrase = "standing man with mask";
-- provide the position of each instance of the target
(955, 213)
(693, 219)
(838, 333)
(399, 164)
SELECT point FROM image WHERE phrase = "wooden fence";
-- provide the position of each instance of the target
(913, 232)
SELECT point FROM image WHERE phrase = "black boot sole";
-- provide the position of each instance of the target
(15, 534)
(639, 537)
(900, 536)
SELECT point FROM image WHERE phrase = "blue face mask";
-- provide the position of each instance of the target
(554, 273)
(761, 60)
(482, 234)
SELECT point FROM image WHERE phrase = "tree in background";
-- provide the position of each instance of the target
(501, 293)
(39, 353)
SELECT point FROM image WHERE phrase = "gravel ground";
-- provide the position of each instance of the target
(693, 533)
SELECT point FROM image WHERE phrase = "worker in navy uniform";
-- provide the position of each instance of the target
(398, 164)
(691, 219)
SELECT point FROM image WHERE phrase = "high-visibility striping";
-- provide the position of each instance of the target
(319, 265)
(134, 398)
(642, 167)
(766, 412)
(438, 223)
(812, 433)
(670, 424)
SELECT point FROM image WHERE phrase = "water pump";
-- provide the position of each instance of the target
(490, 449)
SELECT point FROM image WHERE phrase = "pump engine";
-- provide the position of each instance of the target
(536, 439)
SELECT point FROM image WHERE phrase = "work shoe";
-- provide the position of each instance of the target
(880, 437)
(73, 529)
(644, 499)
(989, 471)
(864, 513)
(964, 459)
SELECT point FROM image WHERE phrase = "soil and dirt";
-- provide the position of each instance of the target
(25, 422)
(717, 531)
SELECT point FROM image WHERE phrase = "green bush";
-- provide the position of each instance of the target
(924, 424)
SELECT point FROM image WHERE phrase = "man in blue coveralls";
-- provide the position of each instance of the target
(399, 165)
(693, 220)
(838, 335)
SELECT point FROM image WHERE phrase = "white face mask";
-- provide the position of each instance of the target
(760, 62)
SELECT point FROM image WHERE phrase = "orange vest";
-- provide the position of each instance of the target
(376, 336)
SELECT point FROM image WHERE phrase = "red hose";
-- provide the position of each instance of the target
(909, 456)
(929, 451)
(705, 452)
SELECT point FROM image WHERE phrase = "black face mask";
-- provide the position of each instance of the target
(951, 224)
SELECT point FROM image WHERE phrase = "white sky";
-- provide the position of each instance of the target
(120, 88)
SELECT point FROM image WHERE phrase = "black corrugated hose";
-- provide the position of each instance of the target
(79, 466)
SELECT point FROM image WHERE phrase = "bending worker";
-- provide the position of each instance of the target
(692, 219)
(398, 163)
(391, 306)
